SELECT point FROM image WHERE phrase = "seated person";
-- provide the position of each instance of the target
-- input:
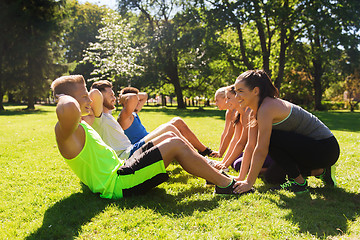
(98, 166)
(272, 172)
(229, 128)
(132, 101)
(100, 118)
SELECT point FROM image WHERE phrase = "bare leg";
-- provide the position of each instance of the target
(191, 161)
(164, 128)
(187, 133)
(317, 172)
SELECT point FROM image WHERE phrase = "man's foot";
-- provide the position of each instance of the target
(213, 162)
(292, 186)
(208, 183)
(230, 189)
(206, 152)
(328, 176)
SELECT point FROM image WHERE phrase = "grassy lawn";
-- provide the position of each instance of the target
(42, 199)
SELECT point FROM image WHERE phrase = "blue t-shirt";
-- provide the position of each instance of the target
(136, 131)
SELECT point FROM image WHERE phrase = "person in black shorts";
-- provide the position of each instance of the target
(98, 166)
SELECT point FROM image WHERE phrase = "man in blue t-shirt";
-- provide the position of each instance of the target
(132, 101)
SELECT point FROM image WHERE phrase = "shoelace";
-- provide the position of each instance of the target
(321, 176)
(287, 184)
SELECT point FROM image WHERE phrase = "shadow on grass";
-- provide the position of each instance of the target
(65, 218)
(21, 111)
(328, 214)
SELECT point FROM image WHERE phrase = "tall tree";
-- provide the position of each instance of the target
(163, 37)
(113, 55)
(331, 27)
(83, 24)
(9, 45)
(272, 22)
(32, 26)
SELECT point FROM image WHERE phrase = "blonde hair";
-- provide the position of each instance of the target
(64, 84)
(221, 92)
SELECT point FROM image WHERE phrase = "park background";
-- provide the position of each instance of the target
(183, 50)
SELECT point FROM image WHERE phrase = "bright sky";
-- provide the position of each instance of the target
(109, 3)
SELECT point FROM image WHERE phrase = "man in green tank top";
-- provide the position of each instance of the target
(98, 166)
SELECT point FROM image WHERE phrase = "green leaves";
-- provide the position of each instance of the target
(113, 55)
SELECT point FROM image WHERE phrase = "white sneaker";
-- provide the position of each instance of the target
(212, 163)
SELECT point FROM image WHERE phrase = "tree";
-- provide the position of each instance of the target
(113, 55)
(260, 27)
(162, 20)
(352, 92)
(31, 28)
(330, 27)
(83, 24)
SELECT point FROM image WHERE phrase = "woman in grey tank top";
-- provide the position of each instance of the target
(295, 139)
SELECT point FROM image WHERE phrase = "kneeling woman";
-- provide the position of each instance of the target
(294, 138)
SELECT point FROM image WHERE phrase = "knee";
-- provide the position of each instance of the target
(177, 143)
(170, 134)
(177, 122)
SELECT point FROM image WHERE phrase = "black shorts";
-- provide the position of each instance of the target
(144, 170)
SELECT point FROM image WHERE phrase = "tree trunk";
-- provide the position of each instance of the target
(1, 96)
(30, 85)
(1, 91)
(282, 56)
(265, 50)
(31, 99)
(178, 91)
(317, 74)
(242, 48)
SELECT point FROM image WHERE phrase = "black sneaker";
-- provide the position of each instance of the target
(208, 183)
(206, 152)
(293, 186)
(230, 189)
(328, 176)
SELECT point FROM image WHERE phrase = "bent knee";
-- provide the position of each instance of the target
(177, 121)
(170, 134)
(177, 142)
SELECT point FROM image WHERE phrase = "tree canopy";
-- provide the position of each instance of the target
(180, 48)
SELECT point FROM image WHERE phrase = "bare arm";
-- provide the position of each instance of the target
(96, 106)
(228, 132)
(234, 141)
(249, 150)
(142, 100)
(242, 140)
(69, 114)
(262, 147)
(129, 102)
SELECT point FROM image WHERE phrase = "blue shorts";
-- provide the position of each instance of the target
(136, 146)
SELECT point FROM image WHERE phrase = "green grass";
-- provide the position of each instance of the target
(40, 197)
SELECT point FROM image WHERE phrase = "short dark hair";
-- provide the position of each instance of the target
(101, 85)
(129, 90)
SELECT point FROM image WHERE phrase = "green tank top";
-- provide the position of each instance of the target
(96, 164)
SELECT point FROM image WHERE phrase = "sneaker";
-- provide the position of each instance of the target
(293, 186)
(230, 189)
(328, 176)
(212, 163)
(208, 183)
(206, 152)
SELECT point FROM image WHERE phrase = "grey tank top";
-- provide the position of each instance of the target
(302, 122)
